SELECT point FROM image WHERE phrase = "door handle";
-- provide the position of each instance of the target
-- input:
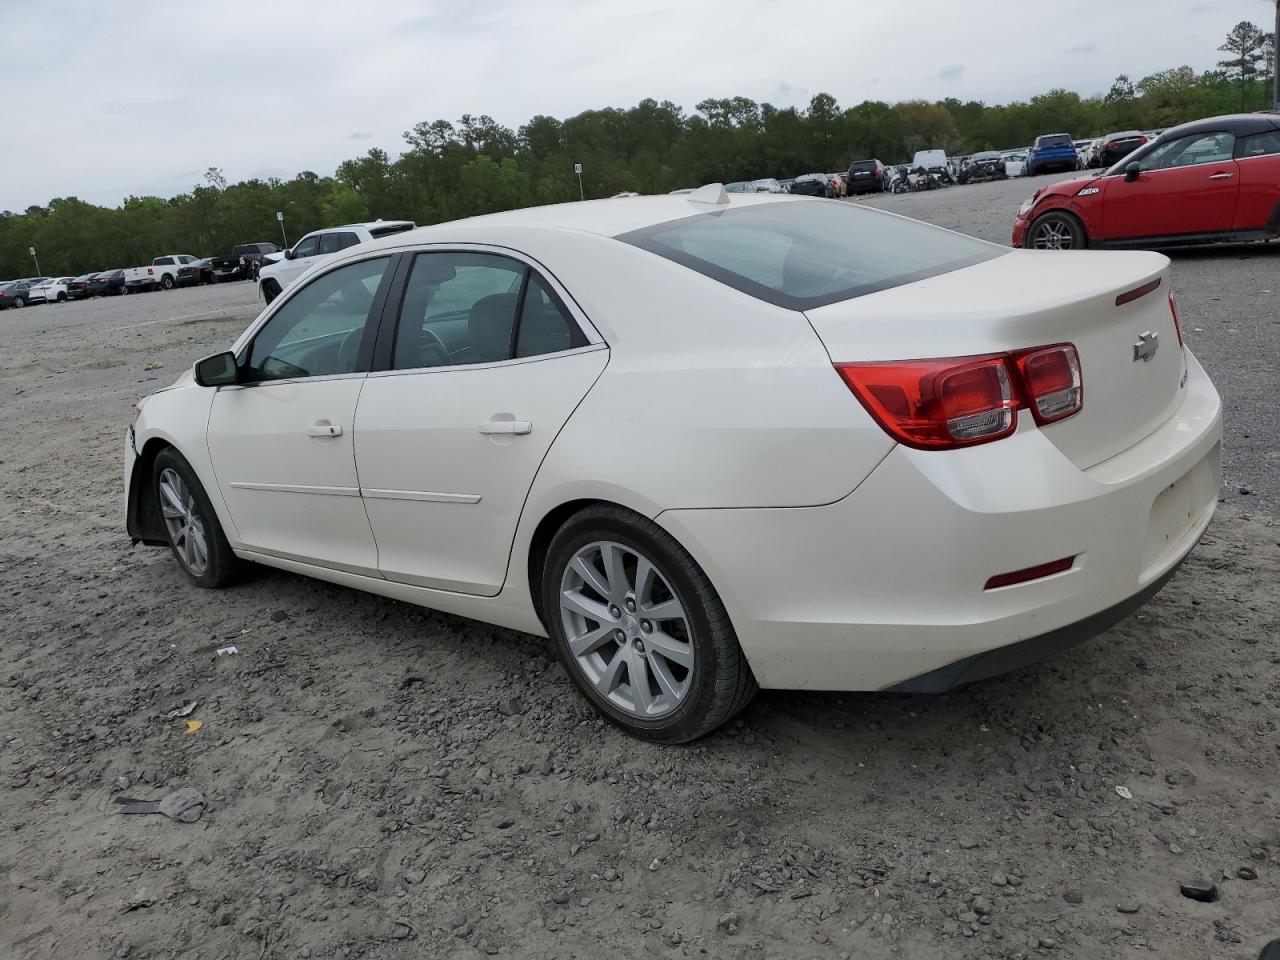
(323, 428)
(1222, 176)
(507, 427)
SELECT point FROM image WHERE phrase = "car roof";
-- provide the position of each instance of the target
(1238, 123)
(605, 218)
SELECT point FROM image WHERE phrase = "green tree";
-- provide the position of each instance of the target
(1247, 49)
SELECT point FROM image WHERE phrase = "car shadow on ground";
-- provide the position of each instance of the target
(1224, 251)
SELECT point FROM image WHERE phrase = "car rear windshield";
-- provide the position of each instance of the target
(388, 229)
(863, 165)
(802, 255)
(1057, 140)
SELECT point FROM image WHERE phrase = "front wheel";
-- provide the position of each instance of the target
(194, 533)
(641, 631)
(1056, 230)
(270, 290)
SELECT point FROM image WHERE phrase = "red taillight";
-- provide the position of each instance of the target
(1051, 378)
(962, 401)
(937, 404)
(1177, 321)
(150, 272)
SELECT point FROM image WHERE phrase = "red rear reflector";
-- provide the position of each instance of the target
(937, 404)
(1138, 293)
(1177, 320)
(1051, 378)
(1029, 573)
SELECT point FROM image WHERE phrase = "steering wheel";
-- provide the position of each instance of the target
(349, 350)
(431, 350)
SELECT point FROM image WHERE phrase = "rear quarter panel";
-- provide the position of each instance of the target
(1259, 196)
(711, 398)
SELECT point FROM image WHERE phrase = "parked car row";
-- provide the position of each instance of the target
(274, 268)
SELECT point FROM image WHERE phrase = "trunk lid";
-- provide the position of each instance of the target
(1029, 299)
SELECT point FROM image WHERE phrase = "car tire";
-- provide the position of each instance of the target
(19, 302)
(695, 677)
(191, 525)
(1056, 230)
(166, 282)
(270, 290)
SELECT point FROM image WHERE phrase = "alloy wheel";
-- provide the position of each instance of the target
(182, 518)
(627, 629)
(1053, 235)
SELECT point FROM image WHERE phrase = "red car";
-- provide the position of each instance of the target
(1211, 181)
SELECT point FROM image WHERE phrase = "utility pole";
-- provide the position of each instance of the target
(1275, 63)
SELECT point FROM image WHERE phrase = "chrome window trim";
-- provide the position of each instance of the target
(457, 367)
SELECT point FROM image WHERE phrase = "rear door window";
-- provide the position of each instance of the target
(803, 255)
(330, 242)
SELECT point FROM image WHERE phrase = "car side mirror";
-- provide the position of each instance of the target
(288, 254)
(219, 370)
(1131, 171)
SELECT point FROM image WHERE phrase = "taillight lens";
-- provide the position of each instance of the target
(1051, 377)
(937, 404)
(963, 401)
(1177, 320)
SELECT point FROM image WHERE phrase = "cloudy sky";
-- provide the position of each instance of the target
(102, 98)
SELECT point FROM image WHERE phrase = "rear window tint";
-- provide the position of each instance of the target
(1060, 140)
(803, 255)
(863, 165)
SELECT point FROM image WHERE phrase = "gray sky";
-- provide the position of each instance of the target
(106, 99)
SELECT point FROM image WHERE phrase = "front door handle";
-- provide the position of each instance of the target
(1222, 176)
(323, 428)
(506, 427)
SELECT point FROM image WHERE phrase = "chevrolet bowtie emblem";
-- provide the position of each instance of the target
(1145, 347)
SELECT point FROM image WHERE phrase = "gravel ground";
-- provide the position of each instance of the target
(384, 781)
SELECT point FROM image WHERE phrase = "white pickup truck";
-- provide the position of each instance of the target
(162, 272)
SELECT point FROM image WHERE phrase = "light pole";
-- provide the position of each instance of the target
(577, 168)
(32, 251)
(280, 218)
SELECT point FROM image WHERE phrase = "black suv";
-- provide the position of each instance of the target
(866, 176)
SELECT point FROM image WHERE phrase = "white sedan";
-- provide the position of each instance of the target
(705, 443)
(1015, 163)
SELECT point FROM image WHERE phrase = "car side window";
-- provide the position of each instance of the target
(347, 239)
(1190, 151)
(307, 247)
(317, 332)
(1258, 145)
(545, 325)
(330, 242)
(458, 308)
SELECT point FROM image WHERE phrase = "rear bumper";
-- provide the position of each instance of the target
(888, 585)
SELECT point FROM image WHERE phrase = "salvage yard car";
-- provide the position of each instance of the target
(281, 269)
(1209, 181)
(1051, 153)
(704, 442)
(244, 261)
(161, 273)
(988, 165)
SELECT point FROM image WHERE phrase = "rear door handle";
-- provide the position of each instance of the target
(323, 428)
(1222, 176)
(506, 427)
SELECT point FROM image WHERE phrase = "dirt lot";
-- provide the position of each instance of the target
(388, 782)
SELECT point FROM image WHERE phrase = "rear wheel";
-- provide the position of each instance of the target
(270, 290)
(194, 533)
(640, 629)
(1056, 230)
(166, 282)
(19, 302)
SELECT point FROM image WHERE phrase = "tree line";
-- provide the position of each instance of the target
(451, 170)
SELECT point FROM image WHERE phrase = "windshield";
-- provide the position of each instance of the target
(800, 255)
(1055, 140)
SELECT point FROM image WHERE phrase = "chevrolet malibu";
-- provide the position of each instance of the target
(705, 443)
